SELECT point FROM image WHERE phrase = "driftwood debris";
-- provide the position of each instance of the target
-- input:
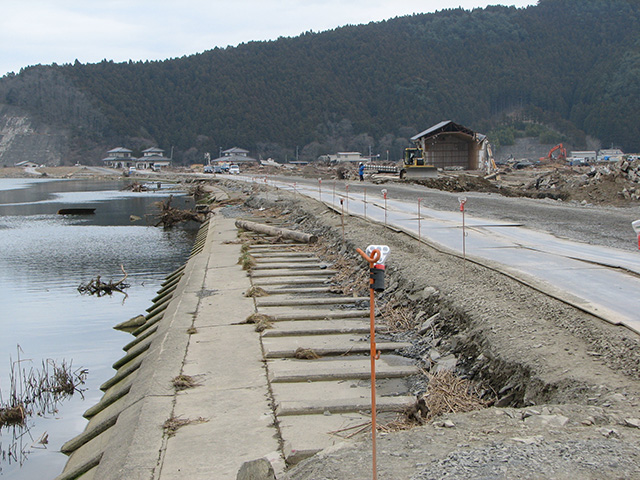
(170, 216)
(96, 286)
(277, 232)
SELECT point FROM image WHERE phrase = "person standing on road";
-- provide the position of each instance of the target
(361, 171)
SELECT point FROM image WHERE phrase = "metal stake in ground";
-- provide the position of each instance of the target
(346, 187)
(462, 201)
(376, 256)
(342, 217)
(636, 228)
(384, 194)
(364, 198)
(419, 232)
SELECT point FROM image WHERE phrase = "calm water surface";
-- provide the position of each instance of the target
(43, 259)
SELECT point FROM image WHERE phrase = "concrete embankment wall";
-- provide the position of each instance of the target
(124, 435)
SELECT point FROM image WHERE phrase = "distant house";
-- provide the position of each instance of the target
(152, 159)
(26, 164)
(235, 155)
(119, 158)
(343, 157)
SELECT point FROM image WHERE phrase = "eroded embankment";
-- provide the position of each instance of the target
(519, 345)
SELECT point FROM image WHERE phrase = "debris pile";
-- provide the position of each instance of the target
(615, 183)
(170, 216)
(97, 287)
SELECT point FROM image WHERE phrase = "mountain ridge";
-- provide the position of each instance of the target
(571, 65)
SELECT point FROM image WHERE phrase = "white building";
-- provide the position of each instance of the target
(235, 155)
(344, 157)
(152, 159)
(119, 157)
(610, 155)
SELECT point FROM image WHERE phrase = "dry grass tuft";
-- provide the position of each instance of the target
(397, 318)
(184, 382)
(263, 325)
(261, 321)
(256, 292)
(173, 424)
(351, 280)
(305, 354)
(12, 415)
(247, 261)
(192, 330)
(446, 393)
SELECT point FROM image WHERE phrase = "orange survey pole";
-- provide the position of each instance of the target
(375, 256)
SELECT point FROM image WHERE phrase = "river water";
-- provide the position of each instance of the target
(44, 257)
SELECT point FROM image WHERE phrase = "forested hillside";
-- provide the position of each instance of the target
(572, 65)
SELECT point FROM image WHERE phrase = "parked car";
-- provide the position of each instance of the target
(234, 169)
(208, 169)
(132, 170)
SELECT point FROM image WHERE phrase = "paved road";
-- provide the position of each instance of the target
(599, 277)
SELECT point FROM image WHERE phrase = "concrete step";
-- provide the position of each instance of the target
(324, 345)
(306, 435)
(277, 247)
(290, 281)
(292, 370)
(262, 266)
(314, 314)
(293, 273)
(337, 405)
(269, 259)
(286, 290)
(309, 301)
(320, 327)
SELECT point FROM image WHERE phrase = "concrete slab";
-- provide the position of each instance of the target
(289, 281)
(289, 265)
(339, 397)
(229, 427)
(314, 301)
(287, 290)
(293, 272)
(320, 327)
(291, 370)
(284, 313)
(306, 435)
(324, 345)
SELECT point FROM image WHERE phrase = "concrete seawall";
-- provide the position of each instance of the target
(127, 435)
(251, 396)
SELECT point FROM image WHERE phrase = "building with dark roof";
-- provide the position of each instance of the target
(448, 145)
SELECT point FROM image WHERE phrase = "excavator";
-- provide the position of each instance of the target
(562, 153)
(414, 165)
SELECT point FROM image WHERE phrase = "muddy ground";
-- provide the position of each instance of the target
(562, 388)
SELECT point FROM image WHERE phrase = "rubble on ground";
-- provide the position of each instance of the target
(616, 183)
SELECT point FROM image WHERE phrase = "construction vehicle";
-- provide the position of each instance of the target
(415, 165)
(561, 155)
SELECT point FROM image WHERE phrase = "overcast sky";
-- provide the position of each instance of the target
(60, 31)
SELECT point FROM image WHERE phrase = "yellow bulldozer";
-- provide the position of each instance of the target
(415, 165)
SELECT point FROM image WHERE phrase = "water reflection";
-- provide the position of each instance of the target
(43, 259)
